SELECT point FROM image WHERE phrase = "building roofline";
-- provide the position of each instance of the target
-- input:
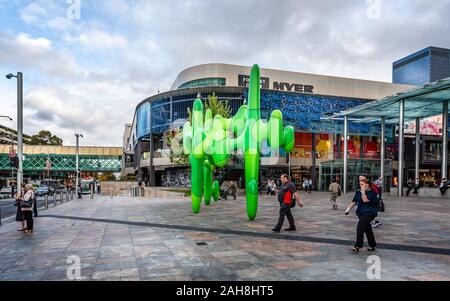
(417, 53)
(272, 70)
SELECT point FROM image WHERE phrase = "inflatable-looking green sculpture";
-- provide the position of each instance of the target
(210, 142)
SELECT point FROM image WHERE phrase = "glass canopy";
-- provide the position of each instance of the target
(423, 102)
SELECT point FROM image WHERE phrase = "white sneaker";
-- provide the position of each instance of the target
(376, 224)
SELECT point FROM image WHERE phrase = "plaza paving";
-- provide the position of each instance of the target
(125, 238)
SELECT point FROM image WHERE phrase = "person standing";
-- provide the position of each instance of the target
(35, 205)
(379, 186)
(416, 186)
(273, 187)
(310, 186)
(410, 186)
(80, 195)
(335, 191)
(443, 187)
(268, 186)
(26, 205)
(285, 198)
(306, 185)
(366, 201)
(19, 215)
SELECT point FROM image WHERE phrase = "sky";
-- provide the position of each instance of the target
(88, 63)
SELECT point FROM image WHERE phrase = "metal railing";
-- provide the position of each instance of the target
(60, 197)
(136, 192)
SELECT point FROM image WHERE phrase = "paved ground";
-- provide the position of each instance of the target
(160, 239)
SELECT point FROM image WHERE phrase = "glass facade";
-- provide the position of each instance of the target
(302, 111)
(204, 82)
(161, 112)
(356, 167)
(423, 67)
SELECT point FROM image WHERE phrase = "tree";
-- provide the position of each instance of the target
(109, 176)
(45, 138)
(216, 106)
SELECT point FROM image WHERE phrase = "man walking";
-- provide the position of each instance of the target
(233, 189)
(285, 198)
(335, 191)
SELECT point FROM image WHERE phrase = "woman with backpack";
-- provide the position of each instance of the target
(366, 201)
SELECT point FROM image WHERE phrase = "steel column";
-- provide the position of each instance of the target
(345, 154)
(445, 139)
(20, 128)
(416, 169)
(383, 149)
(401, 148)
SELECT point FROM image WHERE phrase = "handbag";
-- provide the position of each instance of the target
(27, 204)
(381, 206)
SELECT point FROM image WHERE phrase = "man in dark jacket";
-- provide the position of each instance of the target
(285, 198)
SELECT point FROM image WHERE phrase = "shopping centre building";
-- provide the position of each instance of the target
(305, 99)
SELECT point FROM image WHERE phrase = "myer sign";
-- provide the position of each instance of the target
(244, 80)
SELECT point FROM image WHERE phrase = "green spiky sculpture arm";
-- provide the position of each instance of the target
(209, 145)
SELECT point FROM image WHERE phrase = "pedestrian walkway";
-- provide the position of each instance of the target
(160, 239)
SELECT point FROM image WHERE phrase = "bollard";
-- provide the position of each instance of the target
(71, 195)
(46, 201)
(61, 197)
(54, 199)
(92, 192)
(0, 215)
(67, 196)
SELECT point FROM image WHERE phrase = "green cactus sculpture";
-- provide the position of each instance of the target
(210, 142)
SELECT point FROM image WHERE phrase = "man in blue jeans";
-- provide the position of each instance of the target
(285, 198)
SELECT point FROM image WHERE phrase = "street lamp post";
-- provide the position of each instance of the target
(19, 77)
(12, 147)
(77, 160)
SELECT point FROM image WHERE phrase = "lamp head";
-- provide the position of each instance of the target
(9, 76)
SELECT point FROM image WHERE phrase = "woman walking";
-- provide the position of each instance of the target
(366, 201)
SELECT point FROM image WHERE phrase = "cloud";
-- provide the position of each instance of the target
(96, 69)
(96, 39)
(32, 12)
(98, 109)
(25, 52)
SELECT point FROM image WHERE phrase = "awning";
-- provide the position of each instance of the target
(423, 102)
